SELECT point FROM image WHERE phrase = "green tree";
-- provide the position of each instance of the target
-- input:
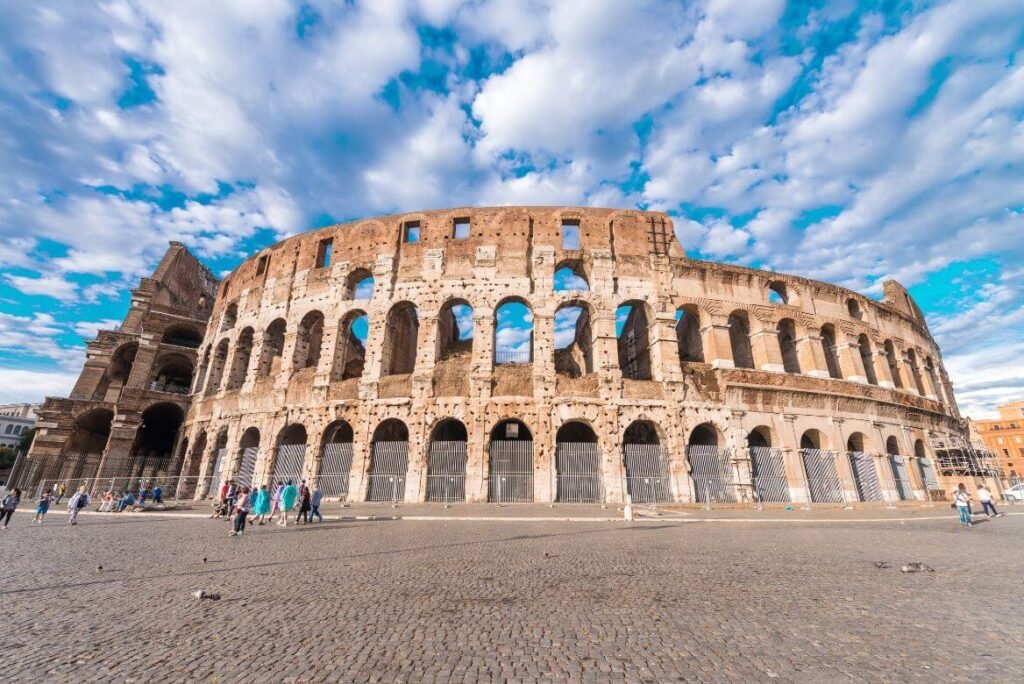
(26, 440)
(7, 457)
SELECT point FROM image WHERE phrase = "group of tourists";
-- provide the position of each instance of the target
(78, 502)
(962, 504)
(238, 503)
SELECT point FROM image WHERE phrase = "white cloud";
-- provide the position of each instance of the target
(32, 386)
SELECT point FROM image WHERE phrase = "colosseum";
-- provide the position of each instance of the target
(511, 354)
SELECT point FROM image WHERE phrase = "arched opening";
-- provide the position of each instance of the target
(570, 277)
(688, 339)
(820, 471)
(194, 459)
(900, 476)
(767, 467)
(915, 372)
(290, 454)
(84, 447)
(173, 374)
(336, 460)
(577, 464)
(400, 338)
(710, 466)
(513, 332)
(786, 330)
(778, 293)
(117, 373)
(446, 462)
(182, 336)
(933, 377)
(454, 330)
(154, 441)
(924, 466)
(204, 367)
(248, 454)
(890, 359)
(632, 328)
(739, 340)
(862, 464)
(892, 446)
(308, 341)
(273, 348)
(350, 349)
(217, 363)
(646, 464)
(853, 308)
(867, 359)
(574, 340)
(510, 463)
(241, 359)
(359, 285)
(230, 317)
(828, 348)
(389, 461)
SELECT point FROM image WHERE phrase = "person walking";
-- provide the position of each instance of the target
(314, 502)
(76, 504)
(60, 490)
(232, 496)
(261, 505)
(242, 506)
(304, 502)
(42, 506)
(8, 505)
(158, 495)
(962, 502)
(987, 505)
(276, 501)
(288, 496)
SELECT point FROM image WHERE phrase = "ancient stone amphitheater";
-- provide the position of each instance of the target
(558, 354)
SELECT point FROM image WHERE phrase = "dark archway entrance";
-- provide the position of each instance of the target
(510, 463)
(389, 461)
(646, 462)
(578, 464)
(446, 462)
(336, 460)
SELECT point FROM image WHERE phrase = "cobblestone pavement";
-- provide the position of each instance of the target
(458, 601)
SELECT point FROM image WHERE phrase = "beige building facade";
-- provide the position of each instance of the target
(1004, 437)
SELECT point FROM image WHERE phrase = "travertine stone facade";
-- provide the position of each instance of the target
(710, 354)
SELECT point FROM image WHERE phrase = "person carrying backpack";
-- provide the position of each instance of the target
(76, 504)
(10, 502)
(962, 503)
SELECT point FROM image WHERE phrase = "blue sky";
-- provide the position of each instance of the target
(845, 141)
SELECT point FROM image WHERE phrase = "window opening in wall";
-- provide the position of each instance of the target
(400, 337)
(350, 350)
(323, 253)
(569, 278)
(688, 339)
(573, 341)
(570, 235)
(853, 307)
(513, 333)
(411, 232)
(455, 330)
(632, 328)
(777, 293)
(460, 229)
(739, 340)
(786, 331)
(261, 265)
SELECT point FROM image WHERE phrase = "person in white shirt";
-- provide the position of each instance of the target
(962, 503)
(985, 497)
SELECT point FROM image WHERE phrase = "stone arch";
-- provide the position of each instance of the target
(779, 292)
(633, 338)
(814, 439)
(155, 439)
(389, 461)
(289, 453)
(273, 348)
(890, 359)
(574, 339)
(577, 464)
(786, 331)
(853, 309)
(401, 334)
(510, 462)
(688, 336)
(705, 434)
(118, 371)
(308, 341)
(84, 447)
(230, 317)
(172, 373)
(645, 460)
(240, 359)
(359, 285)
(761, 436)
(454, 330)
(182, 336)
(513, 331)
(447, 455)
(863, 468)
(828, 348)
(915, 371)
(892, 445)
(933, 378)
(350, 347)
(857, 441)
(217, 363)
(570, 275)
(244, 463)
(867, 358)
(739, 339)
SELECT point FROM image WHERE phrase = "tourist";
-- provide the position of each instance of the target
(261, 505)
(75, 505)
(962, 503)
(242, 504)
(314, 502)
(276, 501)
(42, 506)
(59, 490)
(288, 496)
(8, 505)
(232, 496)
(987, 505)
(127, 501)
(143, 494)
(303, 504)
(222, 494)
(158, 495)
(107, 504)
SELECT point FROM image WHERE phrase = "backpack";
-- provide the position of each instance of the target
(83, 501)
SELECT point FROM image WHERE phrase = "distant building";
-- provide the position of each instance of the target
(1004, 436)
(16, 420)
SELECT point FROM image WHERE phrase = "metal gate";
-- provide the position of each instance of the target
(510, 471)
(865, 476)
(769, 473)
(216, 477)
(712, 473)
(647, 477)
(248, 466)
(578, 468)
(927, 473)
(822, 477)
(446, 471)
(335, 468)
(389, 464)
(901, 477)
(288, 463)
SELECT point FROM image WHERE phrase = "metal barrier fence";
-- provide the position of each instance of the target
(900, 477)
(389, 465)
(335, 468)
(172, 488)
(578, 473)
(288, 463)
(512, 356)
(713, 475)
(247, 466)
(510, 471)
(446, 472)
(821, 476)
(647, 474)
(865, 476)
(768, 471)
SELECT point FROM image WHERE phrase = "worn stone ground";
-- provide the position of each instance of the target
(445, 601)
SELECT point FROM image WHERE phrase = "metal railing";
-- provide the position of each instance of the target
(510, 472)
(446, 472)
(503, 356)
(578, 473)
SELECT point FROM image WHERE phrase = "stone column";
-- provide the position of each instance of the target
(715, 340)
(543, 353)
(482, 363)
(906, 372)
(882, 370)
(764, 344)
(849, 361)
(810, 354)
(665, 348)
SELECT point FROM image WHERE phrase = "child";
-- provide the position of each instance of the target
(42, 506)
